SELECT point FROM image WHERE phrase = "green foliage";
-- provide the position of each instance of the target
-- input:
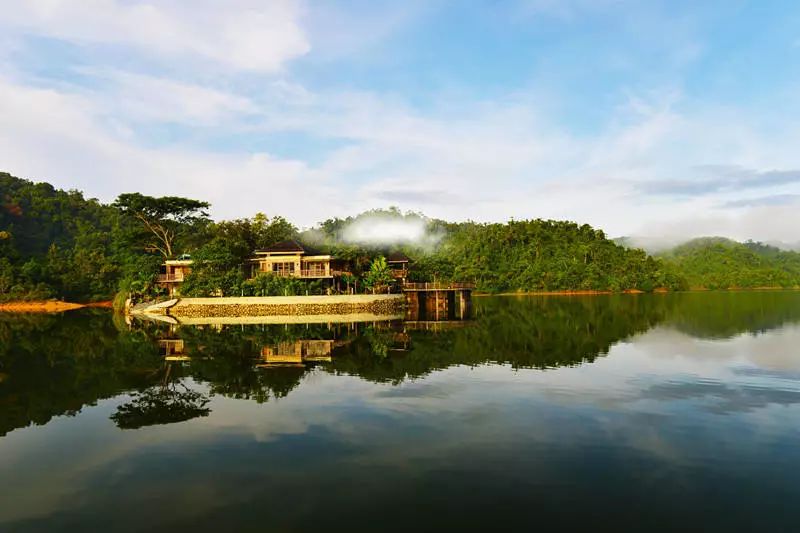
(272, 285)
(267, 232)
(217, 269)
(541, 255)
(379, 276)
(164, 219)
(718, 263)
(57, 244)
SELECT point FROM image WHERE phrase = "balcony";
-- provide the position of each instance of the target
(308, 274)
(170, 278)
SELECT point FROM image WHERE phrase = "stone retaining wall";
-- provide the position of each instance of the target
(379, 304)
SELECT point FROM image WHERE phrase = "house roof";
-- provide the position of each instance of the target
(397, 257)
(290, 246)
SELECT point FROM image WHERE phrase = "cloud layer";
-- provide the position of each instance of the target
(268, 107)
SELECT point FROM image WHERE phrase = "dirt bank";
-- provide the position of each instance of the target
(41, 306)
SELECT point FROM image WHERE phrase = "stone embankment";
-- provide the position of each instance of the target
(380, 304)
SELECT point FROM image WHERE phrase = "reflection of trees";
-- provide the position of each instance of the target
(727, 314)
(167, 403)
(522, 332)
(161, 405)
(240, 377)
(227, 360)
(57, 364)
(54, 365)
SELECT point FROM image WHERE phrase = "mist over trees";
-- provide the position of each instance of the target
(59, 244)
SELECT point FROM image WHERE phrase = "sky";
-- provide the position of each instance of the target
(645, 118)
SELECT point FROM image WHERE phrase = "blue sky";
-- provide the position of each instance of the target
(643, 118)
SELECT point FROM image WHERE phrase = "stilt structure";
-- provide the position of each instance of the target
(438, 300)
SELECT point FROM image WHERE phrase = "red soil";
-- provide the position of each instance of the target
(45, 306)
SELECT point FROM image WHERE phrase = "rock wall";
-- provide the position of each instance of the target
(381, 304)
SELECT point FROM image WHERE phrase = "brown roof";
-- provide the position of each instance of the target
(397, 257)
(290, 246)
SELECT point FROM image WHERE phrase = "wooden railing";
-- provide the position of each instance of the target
(296, 273)
(313, 273)
(438, 286)
(165, 278)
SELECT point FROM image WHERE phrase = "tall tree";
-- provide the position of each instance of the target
(163, 217)
(379, 275)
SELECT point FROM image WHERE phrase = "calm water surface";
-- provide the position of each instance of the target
(649, 413)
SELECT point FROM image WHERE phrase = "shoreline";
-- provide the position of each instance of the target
(634, 291)
(58, 306)
(47, 306)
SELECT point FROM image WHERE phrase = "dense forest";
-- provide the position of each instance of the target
(719, 263)
(59, 244)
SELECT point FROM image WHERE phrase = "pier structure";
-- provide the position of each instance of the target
(438, 300)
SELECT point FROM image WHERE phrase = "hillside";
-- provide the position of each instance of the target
(720, 263)
(547, 255)
(59, 244)
(54, 243)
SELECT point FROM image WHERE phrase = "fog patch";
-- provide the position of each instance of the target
(385, 229)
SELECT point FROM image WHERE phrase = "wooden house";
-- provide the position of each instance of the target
(173, 272)
(291, 259)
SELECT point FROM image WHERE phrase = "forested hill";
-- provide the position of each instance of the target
(55, 243)
(720, 263)
(546, 255)
(59, 244)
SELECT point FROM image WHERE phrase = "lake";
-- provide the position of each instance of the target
(632, 412)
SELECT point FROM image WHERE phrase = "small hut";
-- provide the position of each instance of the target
(398, 264)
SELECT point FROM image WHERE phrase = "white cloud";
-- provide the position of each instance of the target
(241, 34)
(141, 98)
(58, 137)
(491, 162)
(457, 159)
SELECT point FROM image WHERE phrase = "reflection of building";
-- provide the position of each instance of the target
(173, 272)
(298, 352)
(401, 342)
(172, 349)
(292, 260)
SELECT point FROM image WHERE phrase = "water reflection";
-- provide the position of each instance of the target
(52, 365)
(561, 407)
(166, 404)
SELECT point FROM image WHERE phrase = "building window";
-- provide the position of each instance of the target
(315, 269)
(283, 269)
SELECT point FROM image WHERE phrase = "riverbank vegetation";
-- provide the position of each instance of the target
(59, 244)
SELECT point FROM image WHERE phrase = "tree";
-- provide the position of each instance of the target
(267, 231)
(217, 268)
(162, 217)
(379, 275)
(6, 276)
(165, 404)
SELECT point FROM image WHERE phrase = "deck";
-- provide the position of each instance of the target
(439, 286)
